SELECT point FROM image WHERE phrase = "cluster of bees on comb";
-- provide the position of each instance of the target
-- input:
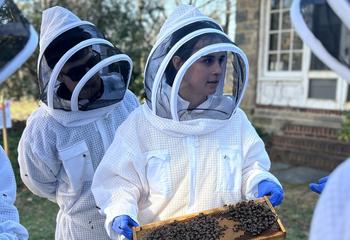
(250, 217)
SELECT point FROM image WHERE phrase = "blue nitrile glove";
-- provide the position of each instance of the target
(319, 186)
(123, 225)
(272, 189)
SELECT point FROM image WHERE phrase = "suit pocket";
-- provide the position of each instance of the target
(158, 173)
(229, 169)
(77, 164)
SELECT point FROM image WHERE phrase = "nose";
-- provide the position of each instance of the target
(217, 68)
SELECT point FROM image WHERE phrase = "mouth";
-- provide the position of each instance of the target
(213, 82)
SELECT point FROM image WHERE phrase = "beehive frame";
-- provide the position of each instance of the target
(280, 234)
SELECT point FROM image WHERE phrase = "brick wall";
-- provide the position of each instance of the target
(247, 36)
(309, 146)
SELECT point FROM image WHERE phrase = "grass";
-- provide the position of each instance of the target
(38, 215)
(296, 210)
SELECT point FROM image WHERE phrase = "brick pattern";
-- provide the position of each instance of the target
(309, 146)
(247, 38)
(312, 132)
(305, 158)
(335, 148)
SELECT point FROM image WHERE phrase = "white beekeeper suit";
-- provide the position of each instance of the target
(331, 216)
(10, 229)
(66, 138)
(22, 41)
(166, 159)
(329, 40)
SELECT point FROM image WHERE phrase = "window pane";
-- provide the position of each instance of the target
(326, 26)
(286, 20)
(273, 41)
(274, 21)
(297, 43)
(285, 61)
(322, 88)
(273, 62)
(287, 3)
(283, 48)
(348, 97)
(296, 63)
(275, 4)
(285, 41)
(317, 64)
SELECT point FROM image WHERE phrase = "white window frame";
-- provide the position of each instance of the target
(340, 95)
(301, 77)
(264, 74)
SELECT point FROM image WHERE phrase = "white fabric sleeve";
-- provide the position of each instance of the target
(38, 165)
(256, 162)
(118, 183)
(331, 219)
(10, 228)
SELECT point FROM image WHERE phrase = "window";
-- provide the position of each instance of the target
(285, 48)
(322, 81)
(322, 89)
(317, 65)
(287, 67)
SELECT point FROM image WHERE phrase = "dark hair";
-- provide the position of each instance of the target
(186, 50)
(60, 45)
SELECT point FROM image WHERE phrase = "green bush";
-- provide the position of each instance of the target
(265, 136)
(344, 133)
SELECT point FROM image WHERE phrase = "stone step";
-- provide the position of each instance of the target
(298, 157)
(312, 145)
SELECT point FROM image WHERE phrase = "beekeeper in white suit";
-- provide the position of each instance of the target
(10, 228)
(189, 147)
(324, 26)
(20, 42)
(83, 82)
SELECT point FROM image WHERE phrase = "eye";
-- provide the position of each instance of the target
(208, 60)
(222, 60)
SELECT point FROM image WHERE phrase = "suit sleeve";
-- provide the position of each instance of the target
(256, 163)
(38, 162)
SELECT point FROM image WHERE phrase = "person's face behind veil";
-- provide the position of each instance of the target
(74, 70)
(203, 77)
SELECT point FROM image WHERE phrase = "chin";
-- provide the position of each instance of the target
(212, 91)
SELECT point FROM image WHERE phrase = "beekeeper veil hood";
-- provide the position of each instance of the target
(78, 69)
(18, 39)
(324, 25)
(188, 67)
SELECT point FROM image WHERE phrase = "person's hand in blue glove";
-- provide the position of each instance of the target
(272, 189)
(319, 186)
(123, 225)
